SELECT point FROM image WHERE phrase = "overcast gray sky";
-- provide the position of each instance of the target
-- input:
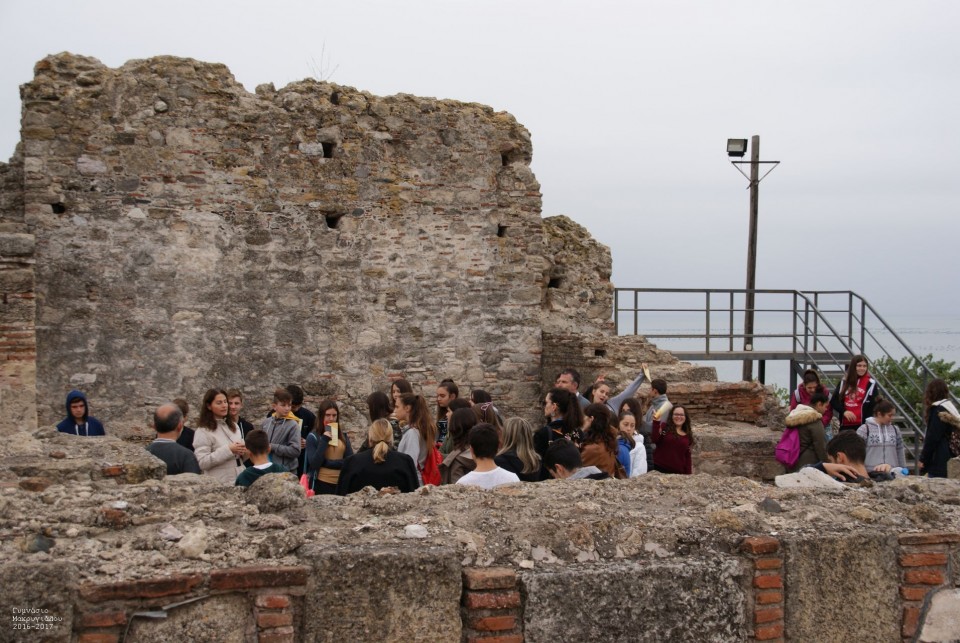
(629, 105)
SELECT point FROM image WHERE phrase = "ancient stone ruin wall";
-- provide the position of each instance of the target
(17, 305)
(191, 234)
(654, 558)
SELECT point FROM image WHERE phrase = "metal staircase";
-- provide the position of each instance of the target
(809, 329)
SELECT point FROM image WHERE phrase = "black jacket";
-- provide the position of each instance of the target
(360, 471)
(508, 460)
(936, 445)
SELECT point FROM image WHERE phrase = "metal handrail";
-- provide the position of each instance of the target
(809, 323)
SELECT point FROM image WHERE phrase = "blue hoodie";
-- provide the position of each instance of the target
(90, 427)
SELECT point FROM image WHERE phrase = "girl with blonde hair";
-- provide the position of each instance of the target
(380, 466)
(517, 453)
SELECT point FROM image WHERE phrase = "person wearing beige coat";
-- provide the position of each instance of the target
(218, 443)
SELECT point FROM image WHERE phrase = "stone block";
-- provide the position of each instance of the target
(414, 591)
(17, 244)
(809, 478)
(821, 572)
(225, 617)
(953, 468)
(16, 280)
(692, 599)
(942, 620)
(37, 590)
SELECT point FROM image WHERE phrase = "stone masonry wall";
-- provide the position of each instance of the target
(17, 306)
(93, 534)
(190, 234)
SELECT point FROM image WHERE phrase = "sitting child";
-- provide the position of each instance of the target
(884, 443)
(258, 445)
(484, 441)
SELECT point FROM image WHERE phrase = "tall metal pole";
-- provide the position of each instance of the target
(751, 255)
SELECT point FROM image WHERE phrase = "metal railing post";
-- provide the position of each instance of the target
(707, 342)
(731, 322)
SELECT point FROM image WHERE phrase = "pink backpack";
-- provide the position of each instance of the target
(788, 448)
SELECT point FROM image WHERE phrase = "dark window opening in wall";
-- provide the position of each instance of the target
(335, 98)
(328, 149)
(58, 208)
(504, 159)
(599, 352)
(333, 219)
(554, 282)
(501, 230)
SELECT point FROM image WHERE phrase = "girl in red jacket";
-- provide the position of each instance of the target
(855, 395)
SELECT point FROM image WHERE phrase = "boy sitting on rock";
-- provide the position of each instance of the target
(258, 445)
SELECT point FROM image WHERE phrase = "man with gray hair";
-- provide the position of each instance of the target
(168, 422)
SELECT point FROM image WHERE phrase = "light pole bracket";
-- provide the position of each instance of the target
(737, 165)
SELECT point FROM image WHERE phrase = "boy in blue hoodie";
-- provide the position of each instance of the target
(78, 420)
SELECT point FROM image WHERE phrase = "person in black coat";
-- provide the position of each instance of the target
(942, 420)
(517, 453)
(378, 467)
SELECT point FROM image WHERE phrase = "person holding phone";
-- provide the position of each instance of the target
(327, 448)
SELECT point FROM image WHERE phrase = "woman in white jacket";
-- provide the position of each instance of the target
(218, 442)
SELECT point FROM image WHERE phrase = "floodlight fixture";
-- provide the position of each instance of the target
(736, 147)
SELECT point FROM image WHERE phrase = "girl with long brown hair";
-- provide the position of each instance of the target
(855, 395)
(419, 429)
(600, 447)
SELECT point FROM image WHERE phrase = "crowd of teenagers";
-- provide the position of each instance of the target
(463, 439)
(864, 422)
(409, 442)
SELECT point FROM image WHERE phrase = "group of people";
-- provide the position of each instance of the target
(410, 442)
(865, 417)
(465, 440)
